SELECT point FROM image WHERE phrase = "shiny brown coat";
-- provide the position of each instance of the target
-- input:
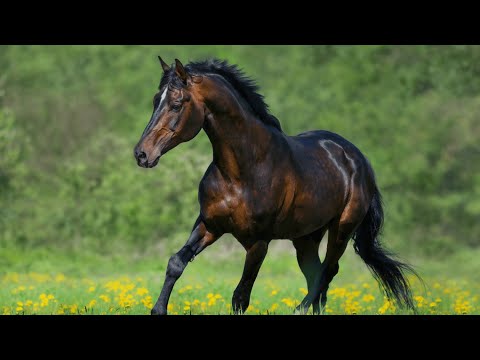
(263, 184)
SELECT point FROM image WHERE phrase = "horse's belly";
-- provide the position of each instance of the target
(306, 212)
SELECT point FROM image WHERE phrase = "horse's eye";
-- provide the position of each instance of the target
(176, 107)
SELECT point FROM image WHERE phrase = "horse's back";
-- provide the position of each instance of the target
(329, 146)
(316, 137)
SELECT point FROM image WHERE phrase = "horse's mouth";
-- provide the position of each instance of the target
(146, 164)
(153, 163)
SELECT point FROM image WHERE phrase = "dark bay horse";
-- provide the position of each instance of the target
(264, 185)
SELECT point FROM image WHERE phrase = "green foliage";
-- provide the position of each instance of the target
(13, 144)
(75, 185)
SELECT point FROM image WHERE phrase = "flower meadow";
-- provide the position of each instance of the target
(36, 293)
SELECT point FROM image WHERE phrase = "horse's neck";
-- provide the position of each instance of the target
(239, 141)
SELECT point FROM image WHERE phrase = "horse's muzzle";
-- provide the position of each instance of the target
(142, 159)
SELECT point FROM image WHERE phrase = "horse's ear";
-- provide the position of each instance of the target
(165, 67)
(180, 70)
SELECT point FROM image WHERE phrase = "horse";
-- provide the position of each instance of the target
(263, 184)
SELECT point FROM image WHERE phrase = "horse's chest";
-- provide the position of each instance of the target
(236, 210)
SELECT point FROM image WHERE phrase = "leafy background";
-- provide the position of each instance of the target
(71, 115)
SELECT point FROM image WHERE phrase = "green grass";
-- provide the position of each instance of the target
(90, 285)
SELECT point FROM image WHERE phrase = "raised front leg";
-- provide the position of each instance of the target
(241, 296)
(199, 239)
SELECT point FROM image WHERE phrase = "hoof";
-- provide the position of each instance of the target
(300, 310)
(158, 312)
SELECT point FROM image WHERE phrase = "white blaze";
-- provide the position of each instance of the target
(162, 98)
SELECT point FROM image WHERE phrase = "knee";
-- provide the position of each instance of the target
(175, 267)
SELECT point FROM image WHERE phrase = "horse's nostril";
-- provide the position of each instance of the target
(140, 155)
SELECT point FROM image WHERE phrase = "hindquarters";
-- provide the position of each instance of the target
(360, 216)
(337, 173)
(345, 187)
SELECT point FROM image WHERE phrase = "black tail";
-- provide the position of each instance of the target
(390, 273)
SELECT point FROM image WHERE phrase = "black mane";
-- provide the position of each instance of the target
(246, 87)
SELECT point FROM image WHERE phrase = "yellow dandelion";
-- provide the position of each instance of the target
(147, 302)
(354, 294)
(273, 307)
(274, 292)
(142, 291)
(289, 302)
(6, 310)
(18, 289)
(60, 278)
(91, 289)
(387, 306)
(304, 291)
(105, 298)
(368, 298)
(129, 287)
(352, 307)
(44, 299)
(113, 285)
(73, 309)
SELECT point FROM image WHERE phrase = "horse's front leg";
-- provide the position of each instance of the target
(199, 239)
(255, 256)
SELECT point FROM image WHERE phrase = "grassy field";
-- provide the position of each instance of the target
(94, 286)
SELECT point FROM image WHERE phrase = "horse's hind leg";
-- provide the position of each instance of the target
(310, 264)
(339, 233)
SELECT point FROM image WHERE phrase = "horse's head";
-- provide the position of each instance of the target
(178, 115)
